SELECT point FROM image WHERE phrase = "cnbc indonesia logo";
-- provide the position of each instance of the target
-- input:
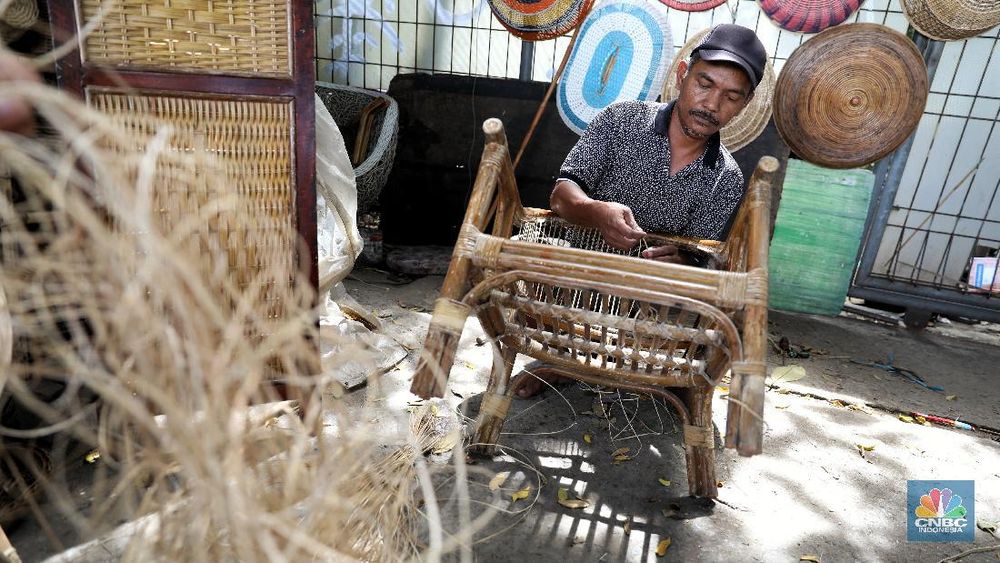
(940, 511)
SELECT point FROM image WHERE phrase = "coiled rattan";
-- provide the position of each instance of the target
(851, 95)
(926, 22)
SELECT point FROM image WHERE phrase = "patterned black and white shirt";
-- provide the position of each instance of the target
(624, 156)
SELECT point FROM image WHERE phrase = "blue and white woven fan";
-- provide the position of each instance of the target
(622, 52)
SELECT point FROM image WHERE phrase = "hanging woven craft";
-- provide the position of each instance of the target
(538, 20)
(938, 20)
(809, 16)
(693, 5)
(749, 123)
(622, 51)
(851, 95)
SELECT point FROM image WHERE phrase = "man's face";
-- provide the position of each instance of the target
(711, 94)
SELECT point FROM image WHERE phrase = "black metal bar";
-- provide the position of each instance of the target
(527, 60)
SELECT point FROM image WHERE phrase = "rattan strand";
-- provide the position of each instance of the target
(227, 37)
(699, 436)
(253, 142)
(450, 315)
(495, 404)
(851, 95)
(749, 123)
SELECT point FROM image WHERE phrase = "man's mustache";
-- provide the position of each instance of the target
(705, 116)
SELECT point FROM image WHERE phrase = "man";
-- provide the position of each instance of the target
(646, 166)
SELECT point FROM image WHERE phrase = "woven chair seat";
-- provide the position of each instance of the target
(558, 293)
(346, 104)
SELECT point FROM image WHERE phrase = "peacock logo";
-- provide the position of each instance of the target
(940, 503)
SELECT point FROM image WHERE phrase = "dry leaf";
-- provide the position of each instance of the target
(722, 388)
(588, 438)
(861, 407)
(781, 406)
(435, 410)
(520, 495)
(664, 482)
(922, 420)
(627, 528)
(865, 447)
(470, 365)
(837, 403)
(562, 494)
(620, 451)
(785, 374)
(574, 503)
(784, 391)
(498, 480)
(661, 548)
(950, 397)
(92, 456)
(906, 418)
(812, 558)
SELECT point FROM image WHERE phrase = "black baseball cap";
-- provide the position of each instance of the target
(735, 44)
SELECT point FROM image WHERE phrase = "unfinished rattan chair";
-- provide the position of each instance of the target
(665, 330)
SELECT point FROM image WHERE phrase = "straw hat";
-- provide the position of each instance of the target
(539, 20)
(808, 16)
(851, 95)
(924, 20)
(621, 53)
(693, 5)
(750, 122)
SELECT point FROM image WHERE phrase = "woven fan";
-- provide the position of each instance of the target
(851, 95)
(749, 123)
(538, 20)
(809, 16)
(693, 5)
(620, 53)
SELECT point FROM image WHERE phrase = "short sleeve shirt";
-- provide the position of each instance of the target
(624, 156)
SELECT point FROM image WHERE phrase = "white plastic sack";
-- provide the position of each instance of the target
(339, 241)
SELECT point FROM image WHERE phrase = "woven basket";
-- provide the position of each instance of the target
(749, 123)
(242, 37)
(345, 104)
(851, 95)
(541, 19)
(18, 18)
(809, 16)
(924, 21)
(693, 6)
(968, 15)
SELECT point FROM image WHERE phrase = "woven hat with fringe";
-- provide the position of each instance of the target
(924, 18)
(693, 5)
(808, 16)
(749, 123)
(850, 95)
(621, 53)
(538, 20)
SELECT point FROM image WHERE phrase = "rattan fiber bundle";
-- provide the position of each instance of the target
(850, 95)
(750, 122)
(928, 23)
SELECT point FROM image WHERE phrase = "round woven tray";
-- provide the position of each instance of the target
(851, 95)
(808, 16)
(19, 17)
(749, 123)
(693, 5)
(924, 21)
(966, 14)
(538, 20)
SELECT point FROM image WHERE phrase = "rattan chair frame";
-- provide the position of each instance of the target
(609, 319)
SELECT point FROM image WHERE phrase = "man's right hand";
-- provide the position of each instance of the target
(617, 225)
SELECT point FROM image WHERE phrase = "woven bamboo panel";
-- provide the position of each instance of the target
(221, 36)
(253, 141)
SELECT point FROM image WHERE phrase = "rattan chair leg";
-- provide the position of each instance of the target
(699, 443)
(496, 401)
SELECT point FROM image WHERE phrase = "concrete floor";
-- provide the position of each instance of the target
(810, 493)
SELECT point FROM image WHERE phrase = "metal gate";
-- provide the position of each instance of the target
(935, 207)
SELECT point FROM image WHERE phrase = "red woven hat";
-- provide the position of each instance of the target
(809, 16)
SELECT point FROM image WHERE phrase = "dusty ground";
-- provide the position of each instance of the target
(810, 493)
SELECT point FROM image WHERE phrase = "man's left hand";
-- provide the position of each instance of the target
(666, 253)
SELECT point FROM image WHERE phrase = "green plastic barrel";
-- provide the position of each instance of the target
(816, 237)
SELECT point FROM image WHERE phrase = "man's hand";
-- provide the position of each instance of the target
(15, 111)
(666, 253)
(617, 225)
